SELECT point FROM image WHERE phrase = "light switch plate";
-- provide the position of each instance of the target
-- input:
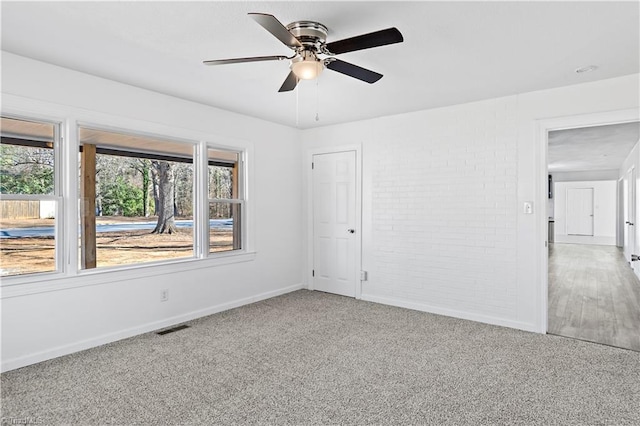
(528, 207)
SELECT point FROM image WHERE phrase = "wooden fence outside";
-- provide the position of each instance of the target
(20, 209)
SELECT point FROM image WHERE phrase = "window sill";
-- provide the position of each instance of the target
(42, 283)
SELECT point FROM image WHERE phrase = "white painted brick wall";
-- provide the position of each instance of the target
(444, 210)
(467, 254)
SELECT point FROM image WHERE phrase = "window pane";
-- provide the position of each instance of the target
(223, 174)
(129, 240)
(26, 157)
(220, 185)
(138, 207)
(224, 227)
(27, 237)
(224, 217)
(27, 226)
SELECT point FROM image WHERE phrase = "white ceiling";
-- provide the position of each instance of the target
(592, 148)
(454, 52)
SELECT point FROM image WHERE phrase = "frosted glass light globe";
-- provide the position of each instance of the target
(307, 69)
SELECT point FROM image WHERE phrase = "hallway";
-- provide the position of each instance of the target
(593, 295)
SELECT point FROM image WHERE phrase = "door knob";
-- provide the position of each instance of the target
(351, 231)
(634, 258)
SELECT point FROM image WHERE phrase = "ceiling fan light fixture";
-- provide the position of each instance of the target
(308, 39)
(307, 67)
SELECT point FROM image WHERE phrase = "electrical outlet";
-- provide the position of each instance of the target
(164, 295)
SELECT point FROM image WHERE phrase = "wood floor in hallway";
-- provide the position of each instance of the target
(593, 295)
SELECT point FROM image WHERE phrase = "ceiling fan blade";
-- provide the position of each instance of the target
(241, 60)
(275, 27)
(290, 83)
(366, 41)
(353, 71)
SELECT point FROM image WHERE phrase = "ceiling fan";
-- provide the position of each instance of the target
(308, 40)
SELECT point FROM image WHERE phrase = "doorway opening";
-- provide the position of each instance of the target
(593, 291)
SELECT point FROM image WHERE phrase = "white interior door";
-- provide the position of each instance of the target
(334, 221)
(580, 211)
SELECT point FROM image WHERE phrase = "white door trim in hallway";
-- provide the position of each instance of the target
(541, 230)
(629, 183)
(358, 213)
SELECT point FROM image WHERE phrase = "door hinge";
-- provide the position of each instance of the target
(312, 165)
(313, 272)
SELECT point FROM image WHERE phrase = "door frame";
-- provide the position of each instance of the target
(357, 148)
(630, 214)
(619, 210)
(543, 127)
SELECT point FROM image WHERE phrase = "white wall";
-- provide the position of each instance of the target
(586, 175)
(604, 212)
(443, 192)
(59, 316)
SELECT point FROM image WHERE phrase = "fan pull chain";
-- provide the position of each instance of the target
(297, 106)
(317, 98)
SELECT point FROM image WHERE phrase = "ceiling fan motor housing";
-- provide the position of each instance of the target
(311, 34)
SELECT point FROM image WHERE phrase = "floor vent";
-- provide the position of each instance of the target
(172, 329)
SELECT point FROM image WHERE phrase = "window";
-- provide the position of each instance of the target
(29, 197)
(225, 200)
(136, 199)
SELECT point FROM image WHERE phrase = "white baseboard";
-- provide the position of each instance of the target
(585, 239)
(12, 364)
(423, 307)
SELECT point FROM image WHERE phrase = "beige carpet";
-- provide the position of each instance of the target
(312, 358)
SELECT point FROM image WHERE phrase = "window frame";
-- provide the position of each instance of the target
(57, 197)
(68, 119)
(240, 199)
(197, 225)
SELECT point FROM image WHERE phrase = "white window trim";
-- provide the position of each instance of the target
(195, 254)
(243, 190)
(30, 197)
(69, 275)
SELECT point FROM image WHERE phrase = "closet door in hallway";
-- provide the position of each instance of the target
(579, 211)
